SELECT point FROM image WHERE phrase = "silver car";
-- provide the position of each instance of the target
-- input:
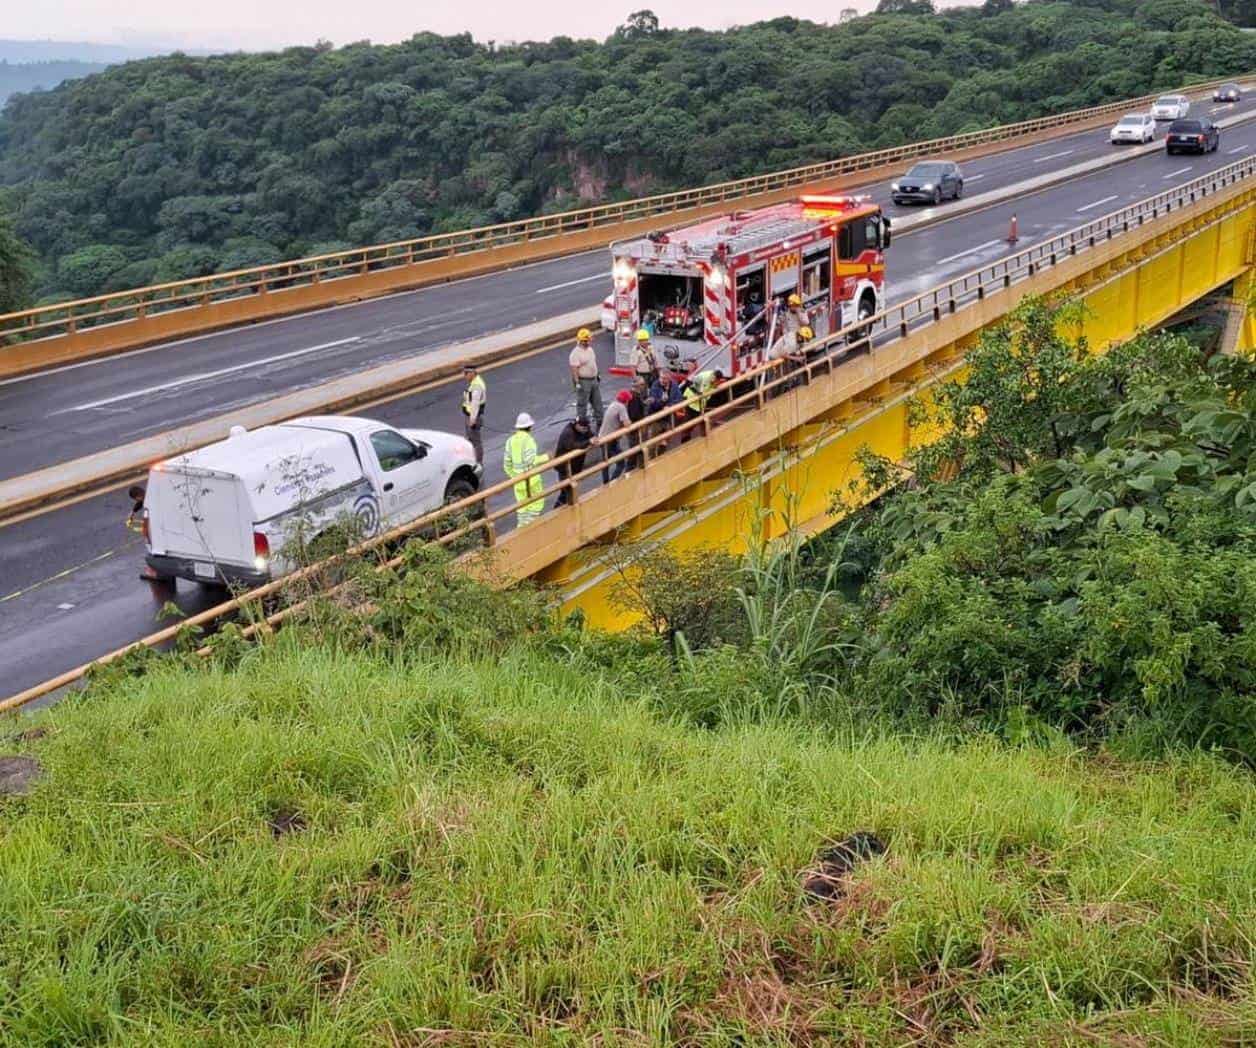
(1170, 107)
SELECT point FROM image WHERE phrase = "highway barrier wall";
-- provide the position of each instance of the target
(68, 332)
(775, 444)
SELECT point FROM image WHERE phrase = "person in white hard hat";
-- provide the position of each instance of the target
(520, 456)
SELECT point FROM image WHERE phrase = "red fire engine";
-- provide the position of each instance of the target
(703, 291)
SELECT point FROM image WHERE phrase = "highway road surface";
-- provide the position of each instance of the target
(69, 579)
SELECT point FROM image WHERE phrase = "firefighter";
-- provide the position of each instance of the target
(474, 401)
(585, 379)
(645, 364)
(521, 455)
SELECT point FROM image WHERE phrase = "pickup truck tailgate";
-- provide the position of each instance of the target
(198, 515)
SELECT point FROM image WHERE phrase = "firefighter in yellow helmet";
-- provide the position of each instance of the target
(645, 364)
(585, 379)
(520, 456)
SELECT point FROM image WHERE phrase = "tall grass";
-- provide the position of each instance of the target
(330, 847)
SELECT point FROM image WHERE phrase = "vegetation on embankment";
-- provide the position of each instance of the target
(432, 814)
(182, 166)
(325, 847)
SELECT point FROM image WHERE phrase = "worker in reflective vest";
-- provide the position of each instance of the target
(521, 455)
(474, 400)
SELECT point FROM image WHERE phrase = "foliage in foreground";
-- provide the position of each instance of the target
(1076, 549)
(328, 848)
(181, 166)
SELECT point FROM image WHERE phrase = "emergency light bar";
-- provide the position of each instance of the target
(826, 204)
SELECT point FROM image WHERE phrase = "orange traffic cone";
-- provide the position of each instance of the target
(1011, 232)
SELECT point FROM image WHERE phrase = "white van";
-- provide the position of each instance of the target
(226, 513)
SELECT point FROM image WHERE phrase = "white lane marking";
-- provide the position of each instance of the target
(973, 178)
(1096, 203)
(64, 607)
(1237, 149)
(1179, 171)
(189, 379)
(573, 283)
(98, 361)
(1054, 156)
(1218, 109)
(970, 251)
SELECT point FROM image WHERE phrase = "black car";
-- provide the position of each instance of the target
(1227, 93)
(1192, 136)
(929, 182)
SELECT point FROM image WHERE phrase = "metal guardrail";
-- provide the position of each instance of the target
(138, 303)
(656, 433)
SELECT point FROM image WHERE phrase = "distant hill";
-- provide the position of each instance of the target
(24, 51)
(41, 76)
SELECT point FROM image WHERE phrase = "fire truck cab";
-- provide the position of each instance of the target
(704, 291)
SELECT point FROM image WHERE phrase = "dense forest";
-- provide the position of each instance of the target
(180, 166)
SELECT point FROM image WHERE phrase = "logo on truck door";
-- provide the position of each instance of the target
(366, 513)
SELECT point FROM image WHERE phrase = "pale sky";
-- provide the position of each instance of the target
(262, 24)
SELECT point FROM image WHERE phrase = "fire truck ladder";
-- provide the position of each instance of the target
(777, 229)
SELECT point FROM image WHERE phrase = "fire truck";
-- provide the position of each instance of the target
(708, 293)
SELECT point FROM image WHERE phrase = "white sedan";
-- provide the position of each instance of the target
(1134, 127)
(1170, 107)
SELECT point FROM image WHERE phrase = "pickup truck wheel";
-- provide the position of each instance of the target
(458, 489)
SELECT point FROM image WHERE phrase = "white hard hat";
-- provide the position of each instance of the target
(524, 421)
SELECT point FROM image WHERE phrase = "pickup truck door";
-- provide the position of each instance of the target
(407, 475)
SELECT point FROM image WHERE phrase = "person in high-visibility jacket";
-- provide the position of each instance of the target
(696, 392)
(519, 456)
(474, 401)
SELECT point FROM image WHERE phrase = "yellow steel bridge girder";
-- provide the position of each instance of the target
(784, 464)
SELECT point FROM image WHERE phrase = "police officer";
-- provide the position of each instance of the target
(474, 400)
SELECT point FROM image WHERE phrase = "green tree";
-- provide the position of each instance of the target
(17, 264)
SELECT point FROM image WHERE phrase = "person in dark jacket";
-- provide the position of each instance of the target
(576, 435)
(640, 395)
(665, 393)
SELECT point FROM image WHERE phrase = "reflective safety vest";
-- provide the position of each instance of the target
(475, 393)
(519, 455)
(698, 391)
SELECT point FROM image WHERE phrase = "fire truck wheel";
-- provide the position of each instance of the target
(867, 306)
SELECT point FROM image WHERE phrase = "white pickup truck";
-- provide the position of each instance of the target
(228, 513)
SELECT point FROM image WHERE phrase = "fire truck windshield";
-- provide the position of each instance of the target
(671, 304)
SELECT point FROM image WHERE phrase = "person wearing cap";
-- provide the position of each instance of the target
(474, 400)
(577, 435)
(520, 456)
(584, 377)
(645, 364)
(616, 419)
(792, 354)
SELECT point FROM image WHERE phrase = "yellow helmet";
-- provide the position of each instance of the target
(643, 335)
(584, 335)
(805, 334)
(794, 300)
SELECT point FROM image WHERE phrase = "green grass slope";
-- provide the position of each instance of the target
(322, 848)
